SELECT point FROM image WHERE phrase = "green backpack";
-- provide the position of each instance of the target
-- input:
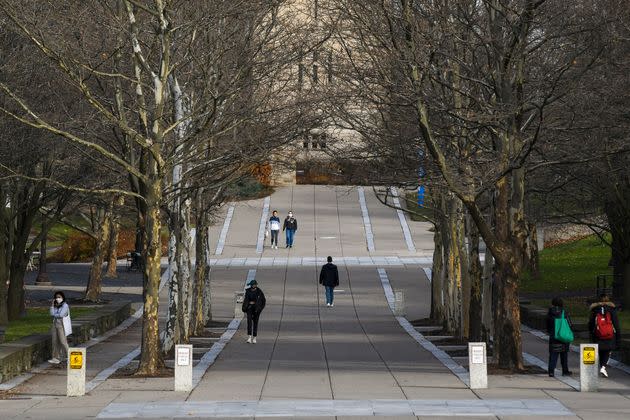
(563, 330)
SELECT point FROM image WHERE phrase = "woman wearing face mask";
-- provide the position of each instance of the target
(61, 328)
(290, 227)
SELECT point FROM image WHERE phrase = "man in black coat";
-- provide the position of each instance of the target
(329, 278)
(253, 304)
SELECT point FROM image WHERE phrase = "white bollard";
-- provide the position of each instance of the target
(76, 372)
(399, 303)
(238, 304)
(478, 365)
(589, 367)
(183, 367)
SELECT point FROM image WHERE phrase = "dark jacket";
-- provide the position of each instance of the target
(329, 276)
(596, 308)
(256, 296)
(554, 313)
(290, 223)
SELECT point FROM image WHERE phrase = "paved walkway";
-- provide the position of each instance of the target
(351, 360)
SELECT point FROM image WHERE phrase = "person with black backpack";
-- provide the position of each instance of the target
(560, 336)
(604, 329)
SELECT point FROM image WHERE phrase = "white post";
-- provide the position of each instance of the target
(478, 365)
(589, 367)
(183, 367)
(399, 303)
(76, 372)
(238, 304)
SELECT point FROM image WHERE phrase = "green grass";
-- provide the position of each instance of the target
(37, 321)
(416, 212)
(570, 266)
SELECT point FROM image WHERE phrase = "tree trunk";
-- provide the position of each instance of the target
(93, 290)
(486, 297)
(533, 261)
(437, 274)
(112, 248)
(171, 332)
(15, 304)
(476, 288)
(197, 321)
(151, 361)
(4, 276)
(207, 294)
(454, 257)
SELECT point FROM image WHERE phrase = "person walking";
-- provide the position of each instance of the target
(290, 227)
(60, 329)
(274, 228)
(329, 278)
(558, 346)
(253, 304)
(604, 328)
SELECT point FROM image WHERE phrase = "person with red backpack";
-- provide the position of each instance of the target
(604, 328)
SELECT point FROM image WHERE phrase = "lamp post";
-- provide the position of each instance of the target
(42, 276)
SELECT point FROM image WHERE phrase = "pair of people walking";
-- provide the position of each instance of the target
(289, 227)
(603, 326)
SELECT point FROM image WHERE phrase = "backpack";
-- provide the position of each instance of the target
(604, 329)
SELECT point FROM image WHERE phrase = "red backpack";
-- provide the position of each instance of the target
(604, 329)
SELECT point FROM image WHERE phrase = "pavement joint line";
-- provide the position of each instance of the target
(369, 236)
(211, 355)
(576, 349)
(403, 221)
(224, 231)
(42, 367)
(263, 223)
(457, 369)
(332, 407)
(530, 358)
(307, 261)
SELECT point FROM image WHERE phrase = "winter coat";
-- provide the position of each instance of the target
(556, 346)
(614, 342)
(290, 223)
(256, 296)
(274, 223)
(329, 276)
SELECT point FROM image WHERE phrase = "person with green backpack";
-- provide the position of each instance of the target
(559, 328)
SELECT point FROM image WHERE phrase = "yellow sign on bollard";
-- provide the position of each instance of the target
(76, 360)
(588, 355)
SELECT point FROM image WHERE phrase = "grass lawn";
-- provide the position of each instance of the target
(37, 321)
(416, 212)
(570, 266)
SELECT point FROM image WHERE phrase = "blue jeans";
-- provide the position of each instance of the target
(330, 294)
(290, 234)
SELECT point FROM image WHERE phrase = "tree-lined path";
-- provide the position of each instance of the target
(354, 359)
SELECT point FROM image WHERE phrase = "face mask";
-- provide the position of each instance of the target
(59, 300)
(290, 214)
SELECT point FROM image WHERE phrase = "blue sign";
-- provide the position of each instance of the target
(421, 196)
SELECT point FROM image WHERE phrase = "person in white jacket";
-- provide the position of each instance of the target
(61, 327)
